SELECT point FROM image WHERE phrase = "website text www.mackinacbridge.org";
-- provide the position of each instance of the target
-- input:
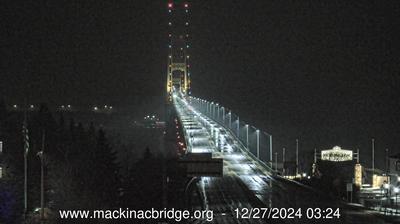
(130, 214)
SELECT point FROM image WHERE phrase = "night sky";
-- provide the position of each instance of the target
(326, 72)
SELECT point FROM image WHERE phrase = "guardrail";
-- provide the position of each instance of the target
(243, 145)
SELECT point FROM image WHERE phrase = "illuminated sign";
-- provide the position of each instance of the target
(379, 181)
(337, 154)
(358, 175)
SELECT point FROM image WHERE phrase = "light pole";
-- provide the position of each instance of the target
(270, 146)
(258, 144)
(230, 120)
(237, 128)
(223, 116)
(209, 109)
(396, 191)
(217, 105)
(212, 110)
(387, 160)
(247, 137)
(297, 157)
(26, 151)
(373, 155)
(41, 155)
(201, 105)
(1, 166)
(283, 160)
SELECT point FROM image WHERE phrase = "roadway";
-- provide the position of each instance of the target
(245, 182)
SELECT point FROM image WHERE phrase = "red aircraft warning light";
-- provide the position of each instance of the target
(186, 5)
(170, 5)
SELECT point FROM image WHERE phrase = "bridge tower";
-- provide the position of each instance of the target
(178, 73)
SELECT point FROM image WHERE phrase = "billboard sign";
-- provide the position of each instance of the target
(202, 165)
(337, 154)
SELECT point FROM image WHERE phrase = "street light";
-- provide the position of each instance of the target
(40, 154)
(396, 191)
(210, 109)
(238, 128)
(373, 155)
(386, 186)
(223, 116)
(247, 136)
(258, 144)
(230, 120)
(213, 110)
(217, 105)
(283, 160)
(297, 157)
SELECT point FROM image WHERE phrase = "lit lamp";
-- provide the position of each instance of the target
(386, 186)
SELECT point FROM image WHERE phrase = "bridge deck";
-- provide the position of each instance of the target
(245, 182)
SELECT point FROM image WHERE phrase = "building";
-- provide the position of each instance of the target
(394, 169)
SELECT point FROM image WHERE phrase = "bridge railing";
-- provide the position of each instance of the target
(255, 141)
